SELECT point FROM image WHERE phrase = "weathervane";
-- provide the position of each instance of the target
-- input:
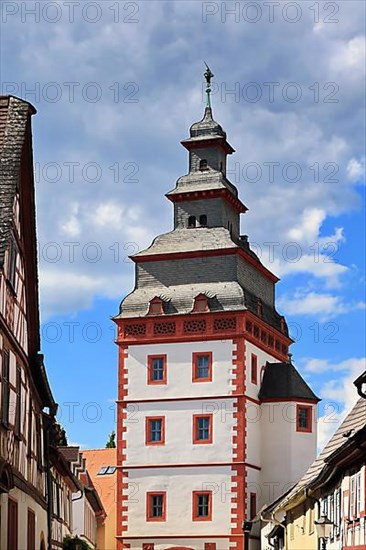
(208, 75)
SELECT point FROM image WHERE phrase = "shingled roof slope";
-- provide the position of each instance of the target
(13, 123)
(283, 381)
(353, 423)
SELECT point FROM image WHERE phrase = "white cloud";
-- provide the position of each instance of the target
(160, 54)
(356, 170)
(71, 227)
(324, 306)
(338, 393)
(349, 56)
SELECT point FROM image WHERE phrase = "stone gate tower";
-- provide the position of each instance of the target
(211, 414)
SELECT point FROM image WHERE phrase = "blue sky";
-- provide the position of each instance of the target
(116, 86)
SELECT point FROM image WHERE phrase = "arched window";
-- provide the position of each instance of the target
(192, 221)
(203, 220)
(203, 164)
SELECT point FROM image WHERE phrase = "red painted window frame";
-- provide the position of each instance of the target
(150, 359)
(149, 494)
(309, 408)
(147, 430)
(195, 516)
(252, 505)
(195, 356)
(194, 429)
(254, 368)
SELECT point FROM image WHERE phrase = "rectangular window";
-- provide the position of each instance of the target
(18, 410)
(156, 506)
(202, 367)
(210, 546)
(155, 430)
(39, 433)
(202, 428)
(355, 498)
(202, 506)
(253, 505)
(13, 252)
(156, 369)
(5, 390)
(338, 518)
(12, 523)
(303, 418)
(30, 426)
(31, 530)
(254, 369)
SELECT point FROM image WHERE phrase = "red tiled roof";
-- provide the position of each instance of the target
(106, 485)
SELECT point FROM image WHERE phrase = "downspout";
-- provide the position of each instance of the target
(276, 522)
(49, 486)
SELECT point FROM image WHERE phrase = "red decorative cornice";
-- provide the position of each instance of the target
(203, 143)
(225, 194)
(203, 327)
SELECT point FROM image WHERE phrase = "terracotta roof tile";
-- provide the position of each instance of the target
(106, 485)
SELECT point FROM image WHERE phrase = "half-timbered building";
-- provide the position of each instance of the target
(24, 389)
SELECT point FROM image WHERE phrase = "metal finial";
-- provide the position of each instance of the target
(290, 358)
(208, 74)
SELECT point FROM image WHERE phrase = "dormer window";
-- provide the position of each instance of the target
(200, 304)
(156, 306)
(192, 221)
(259, 307)
(282, 324)
(203, 220)
(203, 165)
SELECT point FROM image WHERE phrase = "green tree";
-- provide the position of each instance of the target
(111, 443)
(74, 543)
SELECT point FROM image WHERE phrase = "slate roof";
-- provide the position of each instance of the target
(354, 422)
(207, 127)
(283, 381)
(210, 180)
(227, 296)
(13, 123)
(189, 240)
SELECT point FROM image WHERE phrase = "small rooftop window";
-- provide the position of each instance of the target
(192, 221)
(107, 470)
(200, 304)
(156, 306)
(203, 164)
(203, 220)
